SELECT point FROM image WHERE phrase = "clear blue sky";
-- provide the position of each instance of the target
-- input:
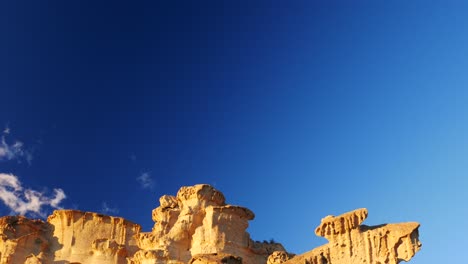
(294, 110)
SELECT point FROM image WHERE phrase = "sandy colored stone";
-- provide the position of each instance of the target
(195, 226)
(279, 257)
(198, 222)
(350, 242)
(215, 258)
(86, 237)
(25, 241)
(168, 201)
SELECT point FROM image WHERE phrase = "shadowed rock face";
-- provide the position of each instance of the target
(23, 240)
(195, 226)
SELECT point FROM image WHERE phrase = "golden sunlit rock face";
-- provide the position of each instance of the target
(353, 243)
(195, 226)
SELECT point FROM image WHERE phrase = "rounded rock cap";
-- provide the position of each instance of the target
(204, 192)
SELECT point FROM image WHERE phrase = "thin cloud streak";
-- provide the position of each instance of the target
(15, 151)
(145, 180)
(106, 209)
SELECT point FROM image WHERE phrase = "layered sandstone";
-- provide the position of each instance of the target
(68, 236)
(196, 226)
(351, 242)
(86, 237)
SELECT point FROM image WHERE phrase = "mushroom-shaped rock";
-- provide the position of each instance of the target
(353, 243)
(198, 222)
(233, 210)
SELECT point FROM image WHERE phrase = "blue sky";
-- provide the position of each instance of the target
(294, 110)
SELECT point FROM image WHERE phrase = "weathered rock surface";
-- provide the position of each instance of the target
(196, 226)
(86, 237)
(279, 257)
(68, 236)
(353, 243)
(25, 241)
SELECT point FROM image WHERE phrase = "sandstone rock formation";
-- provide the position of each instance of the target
(86, 237)
(196, 226)
(25, 241)
(68, 236)
(353, 243)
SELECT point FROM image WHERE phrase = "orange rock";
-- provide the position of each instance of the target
(353, 243)
(196, 226)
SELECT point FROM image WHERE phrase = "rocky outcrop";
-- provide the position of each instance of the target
(196, 226)
(68, 236)
(86, 237)
(353, 243)
(26, 241)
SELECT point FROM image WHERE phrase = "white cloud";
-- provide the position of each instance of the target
(23, 201)
(59, 196)
(15, 151)
(106, 209)
(145, 180)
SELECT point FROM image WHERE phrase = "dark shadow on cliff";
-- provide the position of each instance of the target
(364, 228)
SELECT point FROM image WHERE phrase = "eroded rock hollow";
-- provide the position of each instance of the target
(196, 226)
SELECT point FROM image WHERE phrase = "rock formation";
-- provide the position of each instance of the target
(68, 236)
(25, 241)
(196, 226)
(353, 243)
(92, 238)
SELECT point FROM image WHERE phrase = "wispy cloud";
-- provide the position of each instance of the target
(13, 151)
(145, 180)
(24, 201)
(106, 209)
